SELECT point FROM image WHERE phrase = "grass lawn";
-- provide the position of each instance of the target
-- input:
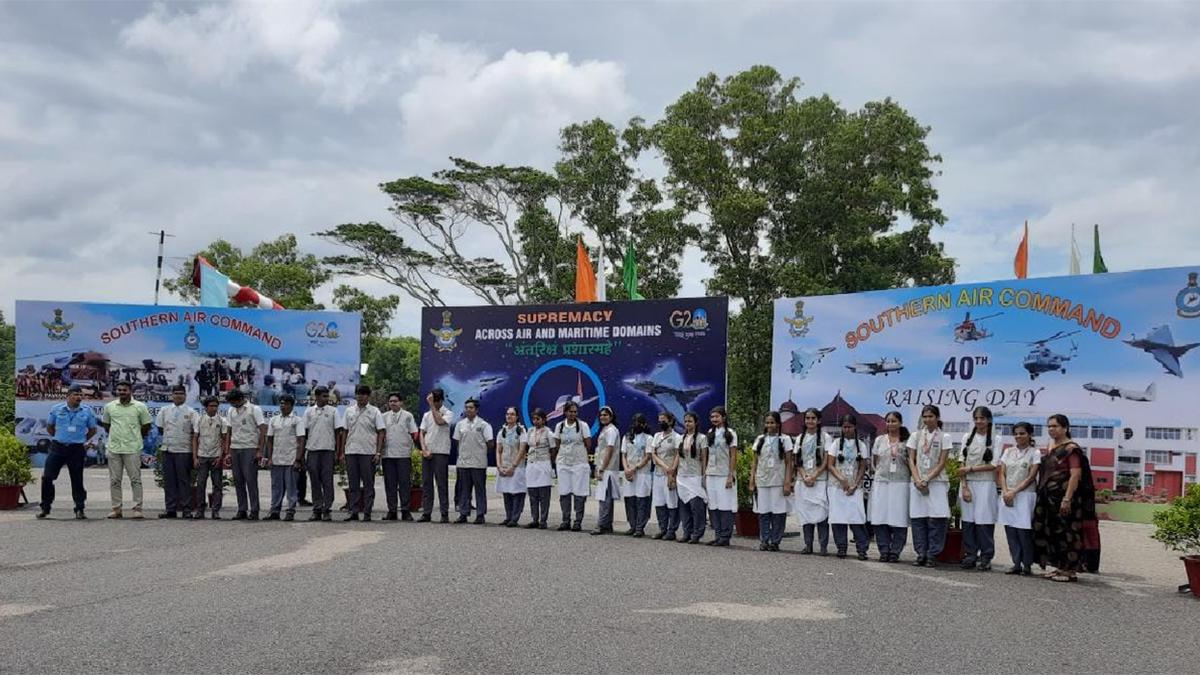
(1130, 512)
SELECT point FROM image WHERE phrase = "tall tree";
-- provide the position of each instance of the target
(394, 365)
(8, 367)
(797, 196)
(277, 269)
(376, 312)
(599, 182)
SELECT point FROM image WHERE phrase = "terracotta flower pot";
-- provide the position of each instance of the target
(952, 552)
(1191, 564)
(745, 523)
(10, 496)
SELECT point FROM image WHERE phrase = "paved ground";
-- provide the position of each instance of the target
(184, 597)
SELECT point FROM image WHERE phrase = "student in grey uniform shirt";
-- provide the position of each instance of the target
(637, 481)
(689, 483)
(608, 461)
(397, 457)
(208, 444)
(977, 495)
(848, 462)
(511, 444)
(247, 435)
(928, 497)
(889, 492)
(772, 464)
(435, 429)
(175, 423)
(574, 440)
(720, 472)
(322, 442)
(664, 452)
(539, 472)
(285, 452)
(474, 436)
(365, 434)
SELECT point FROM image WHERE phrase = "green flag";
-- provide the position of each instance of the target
(1098, 265)
(629, 272)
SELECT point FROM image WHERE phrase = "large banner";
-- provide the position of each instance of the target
(210, 351)
(1112, 351)
(640, 356)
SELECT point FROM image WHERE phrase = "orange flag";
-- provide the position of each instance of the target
(585, 276)
(1021, 261)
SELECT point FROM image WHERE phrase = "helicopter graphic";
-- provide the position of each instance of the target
(1042, 359)
(969, 330)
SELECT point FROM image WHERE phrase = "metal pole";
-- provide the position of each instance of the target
(162, 238)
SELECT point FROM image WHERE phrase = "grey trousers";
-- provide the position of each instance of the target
(283, 480)
(890, 540)
(821, 532)
(692, 519)
(605, 517)
(770, 527)
(397, 483)
(979, 540)
(539, 504)
(210, 473)
(320, 474)
(435, 471)
(360, 471)
(668, 520)
(245, 479)
(929, 536)
(637, 512)
(564, 503)
(1020, 544)
(514, 505)
(722, 523)
(471, 482)
(177, 480)
(862, 540)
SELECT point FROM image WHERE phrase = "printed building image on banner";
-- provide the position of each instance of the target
(642, 356)
(210, 351)
(1119, 354)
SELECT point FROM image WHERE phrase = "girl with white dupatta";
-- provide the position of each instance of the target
(811, 497)
(848, 463)
(772, 464)
(977, 495)
(511, 444)
(693, 454)
(929, 495)
(636, 480)
(608, 474)
(720, 476)
(574, 442)
(889, 492)
(539, 472)
(664, 451)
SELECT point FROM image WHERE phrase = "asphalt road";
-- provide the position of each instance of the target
(381, 597)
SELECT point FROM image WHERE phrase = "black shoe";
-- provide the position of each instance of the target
(1026, 572)
(841, 555)
(669, 536)
(80, 515)
(532, 526)
(352, 516)
(543, 526)
(807, 550)
(460, 520)
(167, 514)
(919, 562)
(254, 516)
(630, 532)
(327, 516)
(967, 565)
(289, 516)
(764, 546)
(1014, 571)
(366, 517)
(883, 557)
(198, 515)
(424, 519)
(775, 547)
(305, 502)
(42, 513)
(862, 556)
(564, 527)
(241, 515)
(445, 520)
(479, 520)
(723, 542)
(714, 542)
(391, 515)
(406, 516)
(930, 563)
(984, 567)
(513, 523)
(316, 515)
(638, 535)
(186, 515)
(274, 515)
(216, 515)
(658, 535)
(824, 552)
(577, 527)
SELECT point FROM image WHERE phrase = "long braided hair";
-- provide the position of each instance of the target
(712, 431)
(774, 415)
(819, 455)
(984, 412)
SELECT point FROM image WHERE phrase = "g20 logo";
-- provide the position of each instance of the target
(318, 330)
(695, 319)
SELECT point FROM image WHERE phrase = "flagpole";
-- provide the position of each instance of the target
(162, 238)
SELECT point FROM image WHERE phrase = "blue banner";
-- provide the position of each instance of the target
(642, 356)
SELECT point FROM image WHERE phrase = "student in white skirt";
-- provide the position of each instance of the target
(664, 452)
(539, 472)
(511, 444)
(636, 479)
(848, 458)
(608, 474)
(889, 492)
(1017, 476)
(810, 498)
(720, 476)
(771, 465)
(929, 496)
(693, 454)
(977, 496)
(574, 443)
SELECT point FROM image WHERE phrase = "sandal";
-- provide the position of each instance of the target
(1049, 575)
(1064, 579)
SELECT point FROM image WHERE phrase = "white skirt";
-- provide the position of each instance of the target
(811, 504)
(662, 496)
(720, 498)
(889, 503)
(514, 484)
(539, 474)
(640, 486)
(935, 504)
(846, 509)
(984, 505)
(1020, 514)
(690, 487)
(574, 480)
(771, 500)
(609, 486)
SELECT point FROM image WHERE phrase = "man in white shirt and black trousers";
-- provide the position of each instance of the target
(435, 455)
(322, 442)
(365, 435)
(175, 426)
(474, 436)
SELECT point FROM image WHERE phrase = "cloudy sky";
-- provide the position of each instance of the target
(248, 120)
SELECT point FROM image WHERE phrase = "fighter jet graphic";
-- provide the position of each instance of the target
(1114, 392)
(665, 385)
(457, 391)
(804, 359)
(1162, 347)
(560, 404)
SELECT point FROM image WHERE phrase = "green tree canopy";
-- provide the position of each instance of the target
(277, 269)
(395, 366)
(8, 367)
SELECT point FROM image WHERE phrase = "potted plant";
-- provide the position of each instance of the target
(745, 521)
(1178, 528)
(952, 552)
(16, 469)
(417, 494)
